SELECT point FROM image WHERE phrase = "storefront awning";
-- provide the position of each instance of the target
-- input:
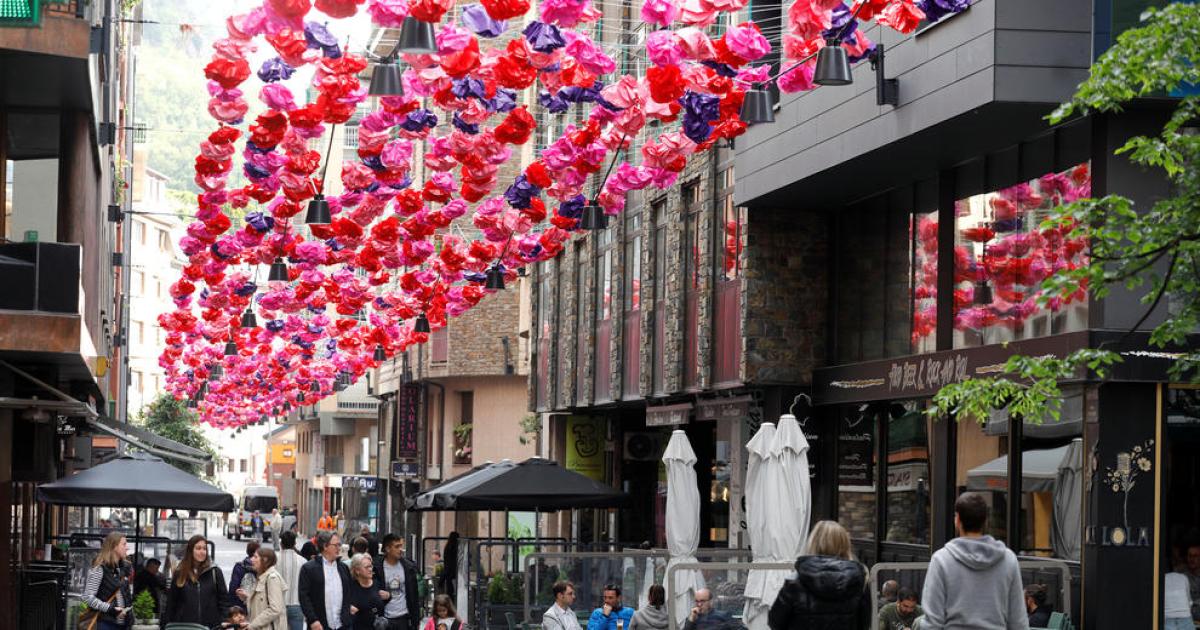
(1039, 468)
(150, 442)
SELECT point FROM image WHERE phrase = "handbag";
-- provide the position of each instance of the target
(381, 623)
(90, 617)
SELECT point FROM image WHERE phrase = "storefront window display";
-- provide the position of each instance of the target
(1002, 254)
(907, 473)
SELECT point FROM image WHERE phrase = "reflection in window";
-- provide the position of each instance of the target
(907, 473)
(719, 494)
(1002, 255)
(925, 260)
(733, 224)
(856, 471)
(633, 260)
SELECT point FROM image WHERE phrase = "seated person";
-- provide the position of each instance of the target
(1035, 603)
(705, 617)
(900, 614)
(887, 594)
(606, 616)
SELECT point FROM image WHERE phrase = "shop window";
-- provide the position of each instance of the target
(856, 471)
(908, 515)
(463, 431)
(733, 228)
(604, 274)
(633, 260)
(1002, 254)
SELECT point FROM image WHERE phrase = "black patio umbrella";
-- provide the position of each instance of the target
(535, 484)
(136, 481)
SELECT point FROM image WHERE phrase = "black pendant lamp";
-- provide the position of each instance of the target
(300, 397)
(230, 348)
(983, 293)
(248, 319)
(385, 79)
(191, 403)
(422, 324)
(833, 65)
(380, 355)
(758, 107)
(593, 218)
(318, 211)
(416, 37)
(495, 277)
(316, 387)
(279, 272)
(216, 372)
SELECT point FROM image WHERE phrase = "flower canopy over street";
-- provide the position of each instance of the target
(352, 290)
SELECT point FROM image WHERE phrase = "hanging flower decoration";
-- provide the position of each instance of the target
(345, 295)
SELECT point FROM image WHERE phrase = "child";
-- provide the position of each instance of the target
(236, 619)
(444, 616)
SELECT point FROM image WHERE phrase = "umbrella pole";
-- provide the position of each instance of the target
(137, 531)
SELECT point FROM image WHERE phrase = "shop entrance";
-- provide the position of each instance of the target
(1181, 477)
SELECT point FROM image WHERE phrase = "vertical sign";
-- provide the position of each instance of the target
(585, 446)
(318, 455)
(408, 399)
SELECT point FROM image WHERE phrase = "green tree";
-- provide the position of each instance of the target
(171, 419)
(1156, 247)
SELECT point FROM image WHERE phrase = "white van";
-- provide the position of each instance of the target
(260, 498)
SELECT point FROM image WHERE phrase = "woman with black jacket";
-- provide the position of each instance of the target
(197, 593)
(107, 588)
(830, 591)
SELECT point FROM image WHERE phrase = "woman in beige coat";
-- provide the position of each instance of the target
(267, 603)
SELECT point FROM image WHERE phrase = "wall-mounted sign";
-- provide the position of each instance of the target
(405, 470)
(585, 446)
(365, 484)
(727, 408)
(668, 415)
(856, 453)
(408, 407)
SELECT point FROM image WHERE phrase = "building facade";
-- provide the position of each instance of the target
(923, 224)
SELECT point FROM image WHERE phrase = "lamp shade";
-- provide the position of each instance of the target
(230, 348)
(416, 37)
(422, 324)
(216, 372)
(833, 65)
(983, 293)
(385, 79)
(191, 403)
(300, 397)
(758, 107)
(318, 211)
(495, 278)
(593, 218)
(279, 272)
(248, 319)
(380, 355)
(316, 387)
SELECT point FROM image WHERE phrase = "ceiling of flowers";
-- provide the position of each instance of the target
(343, 293)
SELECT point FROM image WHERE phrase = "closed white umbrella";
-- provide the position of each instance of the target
(758, 499)
(683, 520)
(790, 502)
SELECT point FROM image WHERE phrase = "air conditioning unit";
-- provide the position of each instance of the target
(643, 447)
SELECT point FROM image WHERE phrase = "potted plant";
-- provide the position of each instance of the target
(143, 611)
(462, 440)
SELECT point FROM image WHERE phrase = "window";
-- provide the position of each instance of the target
(545, 277)
(660, 293)
(158, 288)
(908, 516)
(856, 471)
(230, 464)
(242, 465)
(137, 282)
(164, 241)
(633, 260)
(1002, 255)
(462, 432)
(139, 330)
(733, 225)
(139, 232)
(136, 381)
(690, 193)
(604, 274)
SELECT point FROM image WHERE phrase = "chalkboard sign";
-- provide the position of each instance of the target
(408, 405)
(856, 452)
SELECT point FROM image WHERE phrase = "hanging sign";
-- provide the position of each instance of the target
(668, 415)
(408, 399)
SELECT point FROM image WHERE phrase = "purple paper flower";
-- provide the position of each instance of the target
(937, 9)
(866, 53)
(544, 38)
(503, 102)
(317, 36)
(374, 163)
(419, 119)
(260, 221)
(552, 103)
(576, 94)
(722, 69)
(572, 208)
(255, 173)
(275, 325)
(467, 86)
(475, 276)
(246, 290)
(698, 110)
(463, 125)
(842, 25)
(275, 69)
(476, 19)
(521, 193)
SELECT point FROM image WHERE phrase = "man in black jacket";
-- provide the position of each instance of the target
(398, 575)
(325, 604)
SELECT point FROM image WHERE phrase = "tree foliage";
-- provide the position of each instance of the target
(170, 418)
(1156, 247)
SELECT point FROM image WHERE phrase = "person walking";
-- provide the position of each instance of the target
(830, 589)
(444, 616)
(325, 586)
(652, 616)
(974, 580)
(366, 594)
(1177, 603)
(107, 588)
(276, 527)
(243, 571)
(560, 616)
(288, 565)
(257, 526)
(398, 576)
(197, 593)
(267, 601)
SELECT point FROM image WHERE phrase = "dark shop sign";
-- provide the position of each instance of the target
(727, 408)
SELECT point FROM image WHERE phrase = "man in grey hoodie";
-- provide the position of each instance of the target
(974, 581)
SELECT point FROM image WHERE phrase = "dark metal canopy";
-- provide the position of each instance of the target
(136, 481)
(535, 484)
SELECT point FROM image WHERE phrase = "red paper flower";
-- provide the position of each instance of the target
(978, 234)
(430, 11)
(517, 127)
(290, 44)
(338, 8)
(505, 9)
(461, 63)
(666, 83)
(228, 73)
(290, 8)
(537, 175)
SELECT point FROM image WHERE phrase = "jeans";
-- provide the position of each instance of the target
(1178, 623)
(295, 618)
